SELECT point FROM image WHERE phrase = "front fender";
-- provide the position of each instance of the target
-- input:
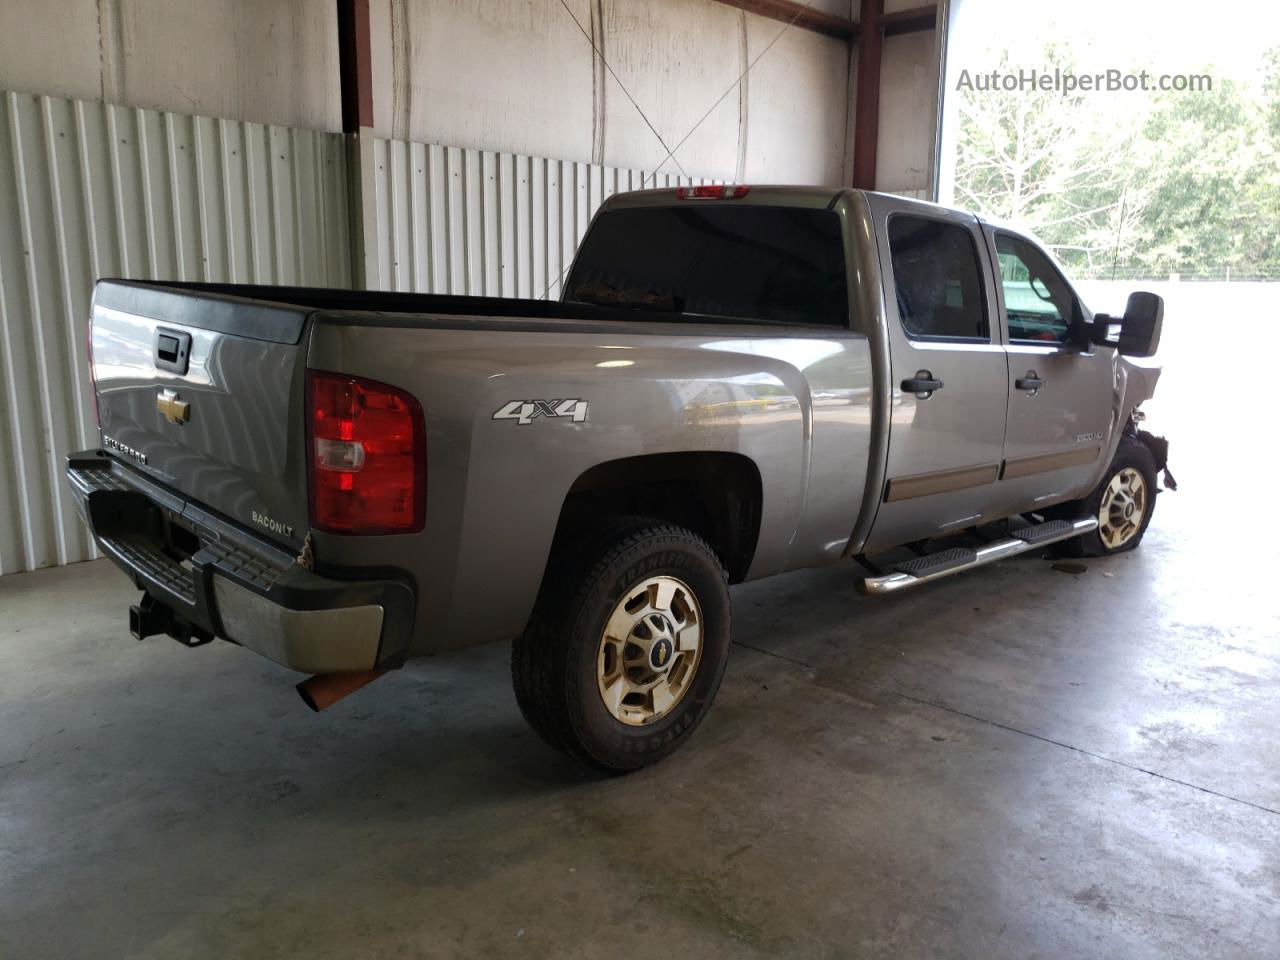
(1135, 381)
(1137, 378)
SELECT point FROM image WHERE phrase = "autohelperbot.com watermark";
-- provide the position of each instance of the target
(1067, 82)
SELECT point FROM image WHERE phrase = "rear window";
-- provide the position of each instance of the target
(938, 280)
(717, 259)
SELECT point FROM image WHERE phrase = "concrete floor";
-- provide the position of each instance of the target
(1017, 762)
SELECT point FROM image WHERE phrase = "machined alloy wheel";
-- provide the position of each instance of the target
(1124, 505)
(627, 645)
(649, 650)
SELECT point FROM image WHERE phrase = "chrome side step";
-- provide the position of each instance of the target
(924, 569)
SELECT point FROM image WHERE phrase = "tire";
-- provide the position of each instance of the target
(561, 664)
(1132, 457)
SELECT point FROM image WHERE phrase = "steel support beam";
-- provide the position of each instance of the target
(866, 116)
(355, 66)
(914, 20)
(788, 11)
(355, 80)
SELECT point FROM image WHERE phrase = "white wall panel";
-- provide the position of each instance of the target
(271, 61)
(908, 113)
(480, 223)
(521, 76)
(89, 190)
(797, 126)
(498, 74)
(677, 59)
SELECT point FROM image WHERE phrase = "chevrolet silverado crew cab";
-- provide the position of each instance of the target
(738, 381)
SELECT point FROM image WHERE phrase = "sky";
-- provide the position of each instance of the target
(1173, 36)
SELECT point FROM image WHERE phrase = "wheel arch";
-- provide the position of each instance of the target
(717, 495)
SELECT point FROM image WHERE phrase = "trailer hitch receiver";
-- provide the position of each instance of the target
(149, 617)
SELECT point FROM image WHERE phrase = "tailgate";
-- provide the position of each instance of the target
(204, 393)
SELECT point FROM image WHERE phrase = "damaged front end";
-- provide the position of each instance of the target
(1159, 448)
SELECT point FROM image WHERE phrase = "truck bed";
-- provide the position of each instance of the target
(408, 307)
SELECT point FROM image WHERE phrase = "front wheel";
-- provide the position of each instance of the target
(1122, 503)
(626, 650)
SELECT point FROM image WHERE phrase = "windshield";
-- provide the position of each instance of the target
(716, 259)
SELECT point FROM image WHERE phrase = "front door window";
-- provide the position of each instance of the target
(1038, 303)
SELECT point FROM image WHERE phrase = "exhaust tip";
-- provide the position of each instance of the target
(325, 689)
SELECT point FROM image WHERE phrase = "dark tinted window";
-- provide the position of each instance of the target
(1037, 301)
(716, 258)
(938, 279)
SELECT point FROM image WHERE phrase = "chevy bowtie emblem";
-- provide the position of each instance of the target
(173, 409)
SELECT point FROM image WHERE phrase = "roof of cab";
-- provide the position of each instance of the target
(762, 195)
(774, 195)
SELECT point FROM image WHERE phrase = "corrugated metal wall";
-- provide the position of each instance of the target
(89, 190)
(475, 222)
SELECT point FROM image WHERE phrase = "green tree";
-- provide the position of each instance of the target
(1048, 163)
(1271, 92)
(1263, 188)
(1180, 182)
(1195, 158)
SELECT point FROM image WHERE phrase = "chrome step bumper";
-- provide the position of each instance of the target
(1029, 538)
(234, 584)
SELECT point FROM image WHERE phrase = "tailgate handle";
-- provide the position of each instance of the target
(172, 350)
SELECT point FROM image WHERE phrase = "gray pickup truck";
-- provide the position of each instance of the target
(737, 382)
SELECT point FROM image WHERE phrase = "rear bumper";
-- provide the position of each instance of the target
(235, 585)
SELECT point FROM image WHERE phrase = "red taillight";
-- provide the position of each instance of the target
(716, 191)
(93, 376)
(367, 456)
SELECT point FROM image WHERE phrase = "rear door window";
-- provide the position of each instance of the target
(937, 278)
(717, 258)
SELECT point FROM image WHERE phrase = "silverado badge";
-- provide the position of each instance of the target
(172, 408)
(115, 446)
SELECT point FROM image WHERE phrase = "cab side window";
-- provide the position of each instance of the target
(1039, 305)
(938, 279)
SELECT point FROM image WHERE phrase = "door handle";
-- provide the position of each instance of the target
(1030, 382)
(922, 384)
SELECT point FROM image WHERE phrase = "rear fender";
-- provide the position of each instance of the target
(505, 445)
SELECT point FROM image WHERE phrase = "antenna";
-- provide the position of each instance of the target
(1115, 256)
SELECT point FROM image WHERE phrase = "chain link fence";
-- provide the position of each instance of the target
(1187, 272)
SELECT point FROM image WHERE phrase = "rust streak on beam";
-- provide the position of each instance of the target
(355, 65)
(788, 11)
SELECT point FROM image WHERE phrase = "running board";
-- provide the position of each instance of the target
(936, 566)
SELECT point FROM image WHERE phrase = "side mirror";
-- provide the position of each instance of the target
(1139, 327)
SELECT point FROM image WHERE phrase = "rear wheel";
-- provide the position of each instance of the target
(626, 650)
(1122, 504)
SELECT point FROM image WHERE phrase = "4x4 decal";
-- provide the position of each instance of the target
(526, 411)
